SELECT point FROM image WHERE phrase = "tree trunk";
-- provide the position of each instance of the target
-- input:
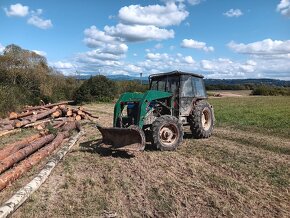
(27, 164)
(14, 115)
(12, 148)
(91, 115)
(35, 117)
(7, 132)
(23, 194)
(23, 153)
(7, 127)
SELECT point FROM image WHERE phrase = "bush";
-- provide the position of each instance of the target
(11, 98)
(271, 91)
(96, 89)
(131, 86)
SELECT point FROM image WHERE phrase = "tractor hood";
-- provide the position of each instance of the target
(137, 97)
(143, 99)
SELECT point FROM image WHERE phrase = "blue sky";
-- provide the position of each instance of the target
(217, 38)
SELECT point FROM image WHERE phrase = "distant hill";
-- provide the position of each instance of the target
(113, 77)
(208, 82)
(273, 82)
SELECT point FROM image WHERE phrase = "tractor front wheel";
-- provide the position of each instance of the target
(167, 133)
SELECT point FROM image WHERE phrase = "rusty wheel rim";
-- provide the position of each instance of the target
(168, 134)
(206, 119)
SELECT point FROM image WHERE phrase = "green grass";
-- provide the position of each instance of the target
(261, 114)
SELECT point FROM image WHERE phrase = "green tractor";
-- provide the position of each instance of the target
(175, 99)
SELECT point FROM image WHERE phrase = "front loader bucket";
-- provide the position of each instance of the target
(126, 139)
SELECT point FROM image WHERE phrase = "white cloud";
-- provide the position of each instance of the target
(62, 65)
(157, 15)
(34, 15)
(264, 47)
(17, 10)
(134, 33)
(95, 38)
(39, 22)
(157, 56)
(42, 53)
(190, 43)
(284, 7)
(1, 48)
(115, 49)
(233, 13)
(189, 60)
(225, 68)
(100, 55)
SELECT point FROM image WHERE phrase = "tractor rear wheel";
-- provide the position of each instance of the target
(202, 120)
(167, 133)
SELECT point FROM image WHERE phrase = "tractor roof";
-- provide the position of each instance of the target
(175, 73)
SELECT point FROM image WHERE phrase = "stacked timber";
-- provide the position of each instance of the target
(40, 116)
(21, 156)
(55, 123)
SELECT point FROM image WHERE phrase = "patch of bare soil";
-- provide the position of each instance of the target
(233, 174)
(230, 93)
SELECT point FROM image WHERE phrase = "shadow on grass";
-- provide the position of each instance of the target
(94, 146)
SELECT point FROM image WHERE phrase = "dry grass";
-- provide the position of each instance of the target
(235, 173)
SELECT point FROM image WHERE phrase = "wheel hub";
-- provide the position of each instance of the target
(206, 119)
(168, 134)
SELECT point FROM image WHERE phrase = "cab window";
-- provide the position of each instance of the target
(186, 85)
(159, 85)
(198, 85)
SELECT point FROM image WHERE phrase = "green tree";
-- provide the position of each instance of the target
(97, 88)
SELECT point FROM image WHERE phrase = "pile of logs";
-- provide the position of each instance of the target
(40, 116)
(55, 122)
(19, 157)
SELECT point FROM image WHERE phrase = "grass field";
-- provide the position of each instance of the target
(269, 115)
(243, 170)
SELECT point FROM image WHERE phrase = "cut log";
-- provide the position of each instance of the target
(78, 117)
(6, 122)
(7, 127)
(58, 124)
(91, 115)
(48, 105)
(56, 114)
(35, 158)
(69, 113)
(63, 106)
(40, 127)
(7, 132)
(12, 148)
(24, 193)
(21, 123)
(38, 123)
(69, 126)
(24, 152)
(70, 119)
(35, 117)
(14, 115)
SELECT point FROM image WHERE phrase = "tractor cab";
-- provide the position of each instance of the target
(176, 82)
(185, 87)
